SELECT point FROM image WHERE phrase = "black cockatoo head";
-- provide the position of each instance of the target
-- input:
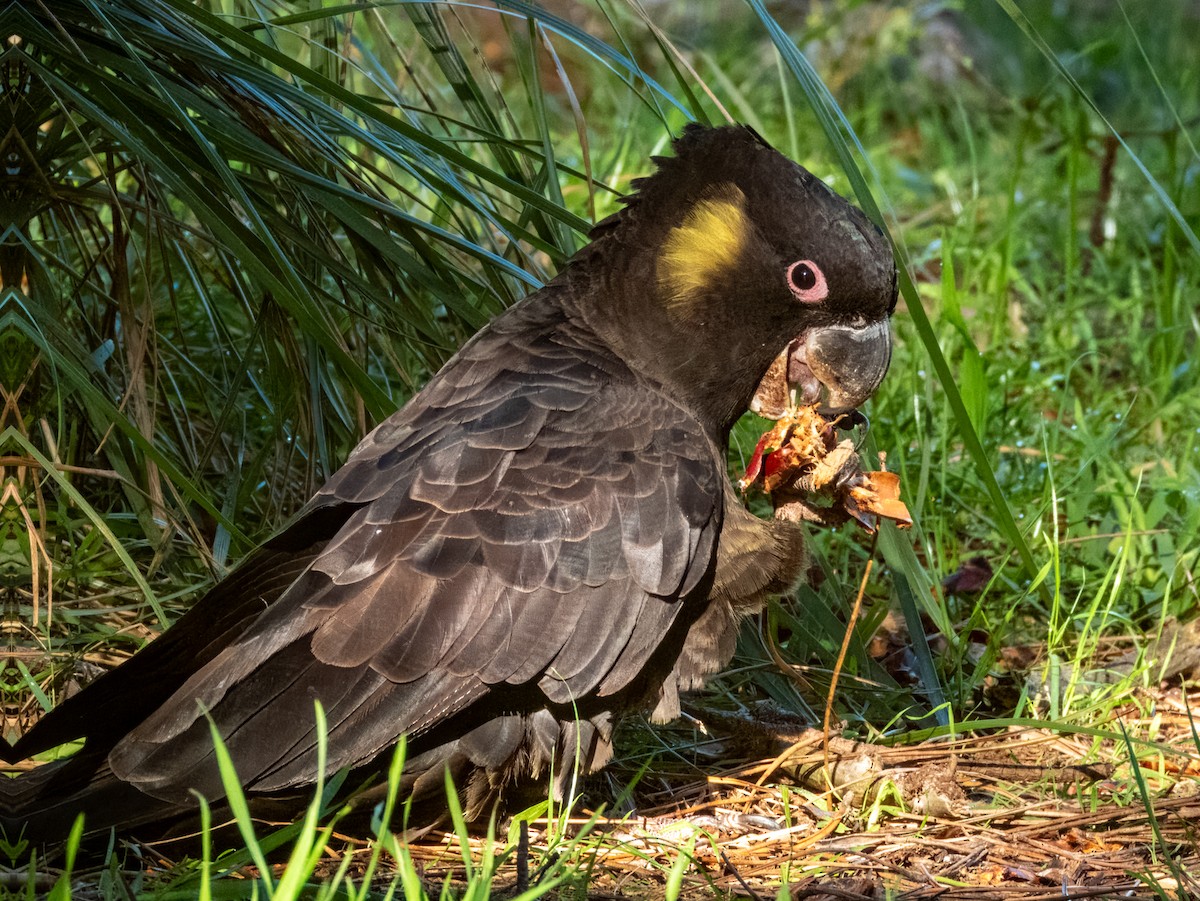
(731, 255)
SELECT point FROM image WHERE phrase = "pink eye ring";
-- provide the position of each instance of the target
(807, 281)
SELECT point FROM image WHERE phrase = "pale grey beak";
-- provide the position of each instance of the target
(849, 362)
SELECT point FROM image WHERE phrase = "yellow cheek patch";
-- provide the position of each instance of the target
(708, 241)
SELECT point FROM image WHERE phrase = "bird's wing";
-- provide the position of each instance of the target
(523, 540)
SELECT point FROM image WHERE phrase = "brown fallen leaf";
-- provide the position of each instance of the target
(971, 577)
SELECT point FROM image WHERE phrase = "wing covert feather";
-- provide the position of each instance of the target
(539, 522)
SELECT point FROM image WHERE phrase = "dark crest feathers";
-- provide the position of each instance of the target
(699, 151)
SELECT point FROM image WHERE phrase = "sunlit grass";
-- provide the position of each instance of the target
(1042, 408)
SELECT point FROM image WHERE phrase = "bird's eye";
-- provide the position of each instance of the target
(807, 281)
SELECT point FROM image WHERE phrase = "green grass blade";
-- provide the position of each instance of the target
(840, 136)
(1022, 21)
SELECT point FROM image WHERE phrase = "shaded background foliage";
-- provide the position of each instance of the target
(236, 235)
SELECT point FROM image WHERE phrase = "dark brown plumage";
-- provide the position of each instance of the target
(543, 537)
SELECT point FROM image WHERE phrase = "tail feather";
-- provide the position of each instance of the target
(493, 760)
(41, 806)
(110, 707)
